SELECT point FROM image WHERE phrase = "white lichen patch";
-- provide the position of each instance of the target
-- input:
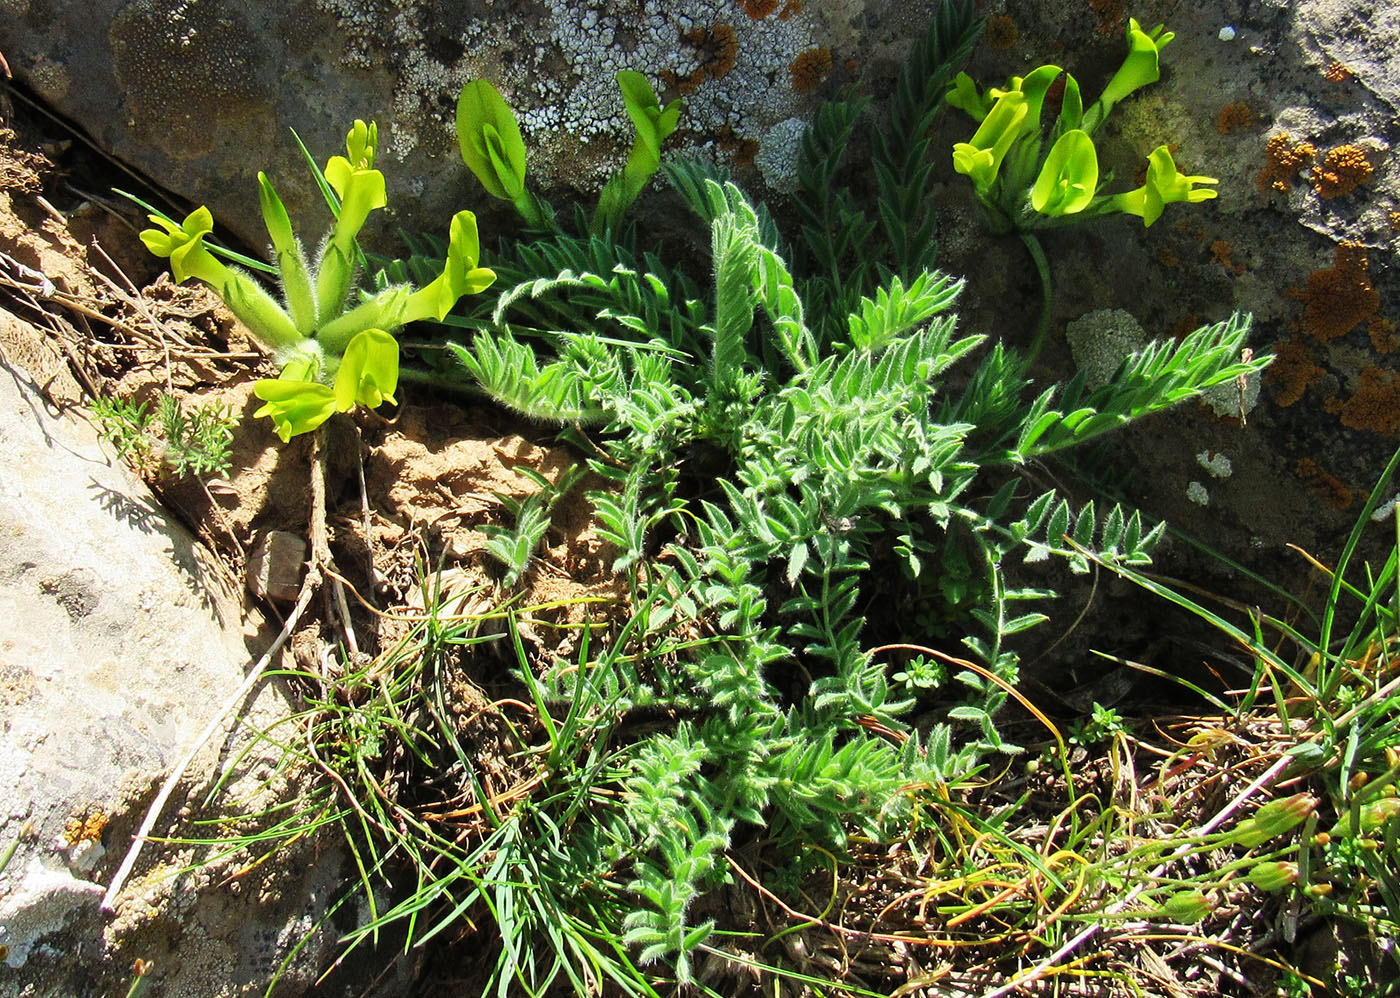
(1217, 464)
(1197, 493)
(778, 153)
(1230, 399)
(1099, 342)
(1386, 509)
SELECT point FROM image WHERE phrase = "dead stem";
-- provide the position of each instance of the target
(308, 587)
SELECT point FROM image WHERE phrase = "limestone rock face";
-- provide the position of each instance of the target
(1292, 106)
(202, 94)
(121, 641)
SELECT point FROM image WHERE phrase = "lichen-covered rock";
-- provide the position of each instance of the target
(1292, 105)
(202, 94)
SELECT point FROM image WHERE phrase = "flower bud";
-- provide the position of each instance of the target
(1187, 907)
(1373, 816)
(1274, 818)
(1273, 876)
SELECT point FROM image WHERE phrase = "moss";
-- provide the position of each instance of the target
(1337, 299)
(1343, 169)
(1283, 158)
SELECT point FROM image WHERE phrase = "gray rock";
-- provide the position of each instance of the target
(121, 642)
(202, 94)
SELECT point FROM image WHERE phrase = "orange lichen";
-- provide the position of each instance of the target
(1339, 298)
(1338, 495)
(1374, 406)
(741, 150)
(1382, 333)
(1185, 326)
(1222, 251)
(1336, 72)
(1395, 221)
(1292, 373)
(758, 9)
(719, 49)
(1167, 257)
(1002, 33)
(1234, 117)
(1334, 491)
(88, 828)
(790, 8)
(1282, 161)
(810, 69)
(1343, 169)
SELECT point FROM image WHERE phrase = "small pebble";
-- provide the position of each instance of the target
(1227, 34)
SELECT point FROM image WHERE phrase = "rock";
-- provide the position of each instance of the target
(275, 566)
(121, 643)
(202, 94)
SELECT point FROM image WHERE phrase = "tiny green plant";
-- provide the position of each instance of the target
(334, 352)
(1104, 723)
(196, 442)
(514, 547)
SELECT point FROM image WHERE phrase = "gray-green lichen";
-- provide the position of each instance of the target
(190, 71)
(1100, 340)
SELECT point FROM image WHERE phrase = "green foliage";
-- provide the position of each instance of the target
(492, 148)
(785, 454)
(514, 547)
(838, 255)
(198, 442)
(1104, 723)
(820, 450)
